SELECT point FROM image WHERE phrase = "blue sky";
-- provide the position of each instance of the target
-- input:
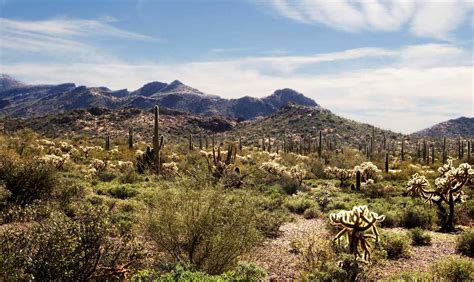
(402, 65)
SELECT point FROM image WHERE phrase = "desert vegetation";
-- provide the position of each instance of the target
(234, 207)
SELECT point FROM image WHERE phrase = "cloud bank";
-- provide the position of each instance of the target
(423, 18)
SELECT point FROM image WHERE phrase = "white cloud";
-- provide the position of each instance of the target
(415, 90)
(59, 38)
(434, 19)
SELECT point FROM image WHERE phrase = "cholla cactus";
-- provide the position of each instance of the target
(368, 171)
(447, 190)
(358, 226)
(297, 172)
(340, 173)
(217, 164)
(169, 169)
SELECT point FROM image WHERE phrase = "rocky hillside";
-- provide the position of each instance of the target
(297, 121)
(98, 122)
(463, 126)
(17, 99)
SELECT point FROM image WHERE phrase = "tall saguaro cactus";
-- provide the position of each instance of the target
(157, 140)
(107, 142)
(403, 149)
(320, 144)
(130, 137)
(445, 151)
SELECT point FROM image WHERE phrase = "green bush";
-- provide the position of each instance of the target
(26, 180)
(269, 222)
(207, 228)
(465, 243)
(419, 237)
(61, 247)
(244, 271)
(396, 244)
(312, 212)
(418, 216)
(289, 186)
(299, 204)
(454, 269)
(123, 192)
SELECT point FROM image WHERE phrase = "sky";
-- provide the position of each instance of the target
(402, 65)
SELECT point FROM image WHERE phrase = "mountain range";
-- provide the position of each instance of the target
(284, 111)
(19, 99)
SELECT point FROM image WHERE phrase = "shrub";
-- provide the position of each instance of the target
(268, 223)
(208, 228)
(299, 204)
(418, 216)
(454, 269)
(312, 212)
(392, 219)
(319, 262)
(123, 192)
(79, 248)
(26, 180)
(465, 243)
(243, 272)
(396, 244)
(419, 237)
(289, 185)
(106, 176)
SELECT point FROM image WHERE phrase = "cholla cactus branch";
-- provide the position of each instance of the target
(358, 226)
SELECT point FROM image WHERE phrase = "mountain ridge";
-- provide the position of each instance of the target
(34, 100)
(462, 126)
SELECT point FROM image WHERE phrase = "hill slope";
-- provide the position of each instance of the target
(17, 99)
(463, 126)
(301, 121)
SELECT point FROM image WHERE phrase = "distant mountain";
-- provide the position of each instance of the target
(18, 99)
(8, 82)
(463, 126)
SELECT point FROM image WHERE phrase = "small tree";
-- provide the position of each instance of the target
(359, 227)
(447, 190)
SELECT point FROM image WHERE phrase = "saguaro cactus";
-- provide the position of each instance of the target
(358, 180)
(358, 226)
(158, 140)
(403, 149)
(445, 151)
(130, 137)
(447, 190)
(190, 145)
(320, 144)
(107, 142)
(386, 162)
(200, 141)
(469, 148)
